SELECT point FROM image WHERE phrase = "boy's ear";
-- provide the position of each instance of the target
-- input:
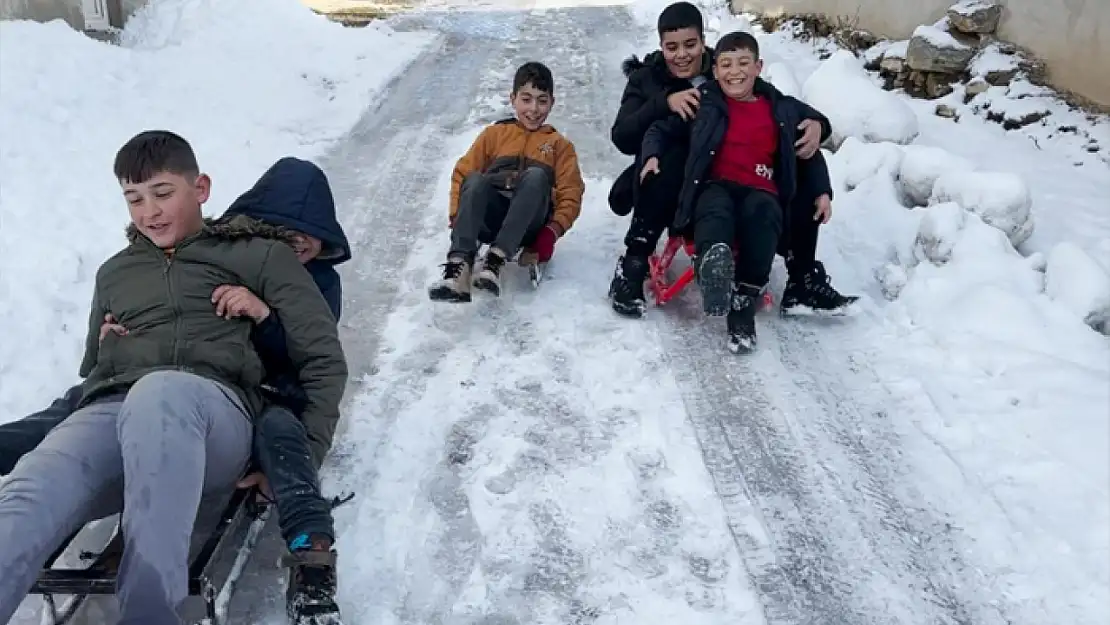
(203, 187)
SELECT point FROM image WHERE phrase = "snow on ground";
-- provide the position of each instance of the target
(207, 69)
(1006, 379)
(568, 463)
(995, 367)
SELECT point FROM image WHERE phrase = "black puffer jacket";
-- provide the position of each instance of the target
(707, 130)
(643, 103)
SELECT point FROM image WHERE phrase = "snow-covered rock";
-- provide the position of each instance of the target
(892, 278)
(934, 50)
(1079, 283)
(782, 77)
(939, 231)
(865, 160)
(1000, 199)
(994, 65)
(975, 16)
(920, 167)
(855, 105)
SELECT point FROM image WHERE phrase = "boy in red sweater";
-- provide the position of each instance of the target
(741, 170)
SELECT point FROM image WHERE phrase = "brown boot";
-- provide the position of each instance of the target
(310, 596)
(454, 286)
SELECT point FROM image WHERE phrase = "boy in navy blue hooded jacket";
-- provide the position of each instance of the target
(292, 202)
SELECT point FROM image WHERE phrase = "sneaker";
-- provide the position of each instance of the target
(715, 269)
(741, 318)
(489, 278)
(813, 294)
(454, 286)
(310, 596)
(626, 291)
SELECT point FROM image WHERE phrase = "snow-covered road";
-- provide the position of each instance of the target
(536, 460)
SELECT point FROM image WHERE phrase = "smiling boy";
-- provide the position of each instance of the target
(742, 169)
(518, 184)
(167, 406)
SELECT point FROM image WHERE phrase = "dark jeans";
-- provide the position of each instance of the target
(486, 215)
(282, 452)
(799, 245)
(656, 204)
(747, 220)
(20, 437)
(280, 449)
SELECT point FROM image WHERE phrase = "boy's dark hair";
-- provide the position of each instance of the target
(152, 152)
(535, 73)
(737, 42)
(681, 15)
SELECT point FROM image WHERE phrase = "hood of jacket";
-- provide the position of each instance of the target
(658, 64)
(294, 194)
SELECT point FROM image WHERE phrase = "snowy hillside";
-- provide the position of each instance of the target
(943, 457)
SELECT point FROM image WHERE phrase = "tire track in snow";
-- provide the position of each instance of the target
(482, 423)
(382, 176)
(818, 500)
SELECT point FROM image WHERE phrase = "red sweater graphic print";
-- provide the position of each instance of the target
(746, 156)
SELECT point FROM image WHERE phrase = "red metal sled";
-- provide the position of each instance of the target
(662, 290)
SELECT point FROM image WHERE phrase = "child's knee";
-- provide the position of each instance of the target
(535, 176)
(474, 181)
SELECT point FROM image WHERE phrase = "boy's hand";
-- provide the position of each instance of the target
(824, 209)
(685, 103)
(544, 245)
(257, 479)
(238, 301)
(810, 142)
(650, 167)
(110, 325)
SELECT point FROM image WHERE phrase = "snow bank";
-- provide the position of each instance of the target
(1080, 284)
(245, 82)
(782, 77)
(865, 160)
(921, 165)
(1001, 199)
(870, 114)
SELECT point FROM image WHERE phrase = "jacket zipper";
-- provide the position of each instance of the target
(175, 308)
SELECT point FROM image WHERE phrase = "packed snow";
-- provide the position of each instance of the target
(870, 114)
(69, 102)
(983, 258)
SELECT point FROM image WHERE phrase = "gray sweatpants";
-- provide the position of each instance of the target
(175, 437)
(487, 216)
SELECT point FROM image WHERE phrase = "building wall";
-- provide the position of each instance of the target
(68, 10)
(1071, 36)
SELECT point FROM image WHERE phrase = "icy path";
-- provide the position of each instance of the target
(535, 460)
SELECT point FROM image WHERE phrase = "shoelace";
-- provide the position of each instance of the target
(451, 270)
(493, 263)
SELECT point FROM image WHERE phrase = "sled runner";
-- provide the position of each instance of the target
(244, 515)
(662, 290)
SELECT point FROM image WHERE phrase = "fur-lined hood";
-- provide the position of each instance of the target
(231, 228)
(656, 61)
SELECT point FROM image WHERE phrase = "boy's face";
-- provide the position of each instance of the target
(531, 106)
(736, 72)
(682, 50)
(306, 246)
(166, 208)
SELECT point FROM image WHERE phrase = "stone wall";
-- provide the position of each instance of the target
(1071, 36)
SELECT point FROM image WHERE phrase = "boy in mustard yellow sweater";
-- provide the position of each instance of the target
(518, 185)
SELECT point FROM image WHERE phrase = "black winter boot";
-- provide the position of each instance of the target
(811, 293)
(310, 596)
(626, 291)
(741, 317)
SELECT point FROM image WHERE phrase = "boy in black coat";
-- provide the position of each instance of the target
(742, 169)
(664, 84)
